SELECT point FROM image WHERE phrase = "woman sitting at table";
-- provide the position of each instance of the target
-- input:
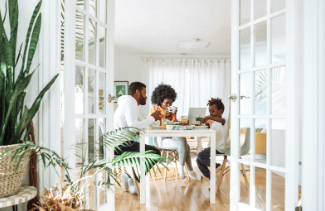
(162, 97)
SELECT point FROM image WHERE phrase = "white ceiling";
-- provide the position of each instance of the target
(156, 26)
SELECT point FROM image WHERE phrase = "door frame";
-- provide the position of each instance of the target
(313, 117)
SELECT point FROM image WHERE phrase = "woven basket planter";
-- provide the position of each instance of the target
(11, 181)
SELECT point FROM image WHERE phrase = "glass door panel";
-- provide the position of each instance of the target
(259, 111)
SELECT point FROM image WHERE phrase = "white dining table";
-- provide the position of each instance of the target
(181, 133)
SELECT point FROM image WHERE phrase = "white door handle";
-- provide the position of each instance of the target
(233, 97)
(110, 98)
(241, 97)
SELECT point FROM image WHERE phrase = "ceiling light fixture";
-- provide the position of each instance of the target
(193, 44)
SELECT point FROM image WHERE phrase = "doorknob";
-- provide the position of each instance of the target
(111, 98)
(241, 97)
(232, 97)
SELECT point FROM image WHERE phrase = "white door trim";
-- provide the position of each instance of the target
(313, 105)
(49, 58)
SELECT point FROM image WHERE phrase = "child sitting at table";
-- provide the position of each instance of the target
(215, 122)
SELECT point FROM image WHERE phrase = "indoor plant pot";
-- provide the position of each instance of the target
(11, 178)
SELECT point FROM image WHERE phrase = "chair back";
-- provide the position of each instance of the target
(155, 142)
(245, 148)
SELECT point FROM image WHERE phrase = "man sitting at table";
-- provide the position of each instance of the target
(127, 115)
(215, 122)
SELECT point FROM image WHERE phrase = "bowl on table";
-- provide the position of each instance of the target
(169, 127)
(189, 127)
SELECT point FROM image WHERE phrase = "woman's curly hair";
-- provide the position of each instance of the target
(161, 92)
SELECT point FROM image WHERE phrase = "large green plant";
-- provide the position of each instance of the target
(14, 115)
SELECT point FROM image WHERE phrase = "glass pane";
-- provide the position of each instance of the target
(278, 191)
(91, 90)
(260, 44)
(278, 142)
(79, 137)
(260, 188)
(245, 50)
(260, 140)
(278, 90)
(102, 10)
(93, 7)
(244, 184)
(101, 178)
(260, 9)
(92, 42)
(277, 5)
(244, 136)
(81, 3)
(102, 93)
(79, 90)
(278, 42)
(80, 36)
(101, 132)
(102, 46)
(91, 140)
(261, 92)
(245, 90)
(92, 190)
(245, 11)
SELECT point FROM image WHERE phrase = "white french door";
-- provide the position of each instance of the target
(259, 86)
(88, 83)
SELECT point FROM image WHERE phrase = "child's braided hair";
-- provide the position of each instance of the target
(218, 102)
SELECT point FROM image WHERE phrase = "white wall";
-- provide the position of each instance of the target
(26, 9)
(131, 68)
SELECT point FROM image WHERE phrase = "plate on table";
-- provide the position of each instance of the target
(154, 127)
(203, 127)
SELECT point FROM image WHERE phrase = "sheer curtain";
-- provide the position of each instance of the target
(195, 81)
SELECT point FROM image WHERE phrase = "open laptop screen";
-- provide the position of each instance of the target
(196, 112)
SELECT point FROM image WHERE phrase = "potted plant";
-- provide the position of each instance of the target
(70, 195)
(199, 120)
(14, 114)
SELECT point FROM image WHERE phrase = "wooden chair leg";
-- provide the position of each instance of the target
(176, 173)
(161, 154)
(221, 172)
(135, 182)
(166, 166)
(244, 174)
(188, 177)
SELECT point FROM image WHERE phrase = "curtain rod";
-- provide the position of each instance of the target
(186, 60)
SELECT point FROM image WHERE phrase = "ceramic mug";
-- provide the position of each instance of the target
(172, 109)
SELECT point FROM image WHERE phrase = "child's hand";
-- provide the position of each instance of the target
(210, 122)
(205, 119)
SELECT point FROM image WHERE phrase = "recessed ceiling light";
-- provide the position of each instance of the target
(193, 44)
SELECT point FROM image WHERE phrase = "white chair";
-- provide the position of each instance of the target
(244, 149)
(174, 151)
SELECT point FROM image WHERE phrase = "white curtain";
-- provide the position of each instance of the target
(195, 81)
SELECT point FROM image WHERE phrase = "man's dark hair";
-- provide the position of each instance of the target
(134, 86)
(218, 102)
(161, 92)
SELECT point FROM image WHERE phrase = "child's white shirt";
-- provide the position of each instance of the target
(220, 140)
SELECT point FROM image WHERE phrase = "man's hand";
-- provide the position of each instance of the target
(205, 119)
(156, 115)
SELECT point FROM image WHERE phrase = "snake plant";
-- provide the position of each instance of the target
(14, 114)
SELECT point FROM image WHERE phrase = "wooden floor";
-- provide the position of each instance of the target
(194, 195)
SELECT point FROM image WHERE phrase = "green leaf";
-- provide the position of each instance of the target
(19, 88)
(30, 27)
